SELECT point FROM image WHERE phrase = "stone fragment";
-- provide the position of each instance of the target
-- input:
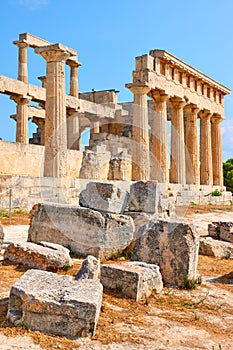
(216, 248)
(43, 255)
(90, 269)
(104, 196)
(171, 245)
(221, 230)
(1, 236)
(135, 280)
(95, 164)
(55, 304)
(143, 197)
(85, 231)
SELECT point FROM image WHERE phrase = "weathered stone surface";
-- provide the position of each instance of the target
(221, 230)
(104, 196)
(171, 245)
(52, 303)
(143, 197)
(43, 255)
(85, 231)
(216, 248)
(90, 269)
(135, 280)
(95, 164)
(1, 236)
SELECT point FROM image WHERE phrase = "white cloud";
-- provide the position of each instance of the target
(33, 5)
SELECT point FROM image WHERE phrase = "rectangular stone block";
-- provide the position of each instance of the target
(135, 280)
(55, 304)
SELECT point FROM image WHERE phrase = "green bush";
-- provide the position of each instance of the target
(228, 174)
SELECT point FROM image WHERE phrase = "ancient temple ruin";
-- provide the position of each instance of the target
(128, 141)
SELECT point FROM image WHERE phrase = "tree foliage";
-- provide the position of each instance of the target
(228, 174)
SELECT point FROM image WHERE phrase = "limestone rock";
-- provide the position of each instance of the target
(90, 269)
(1, 236)
(55, 304)
(221, 230)
(143, 197)
(171, 245)
(216, 248)
(95, 164)
(43, 255)
(85, 231)
(104, 196)
(135, 280)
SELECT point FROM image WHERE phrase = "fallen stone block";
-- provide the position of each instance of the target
(85, 231)
(171, 245)
(90, 269)
(42, 256)
(143, 197)
(1, 236)
(55, 304)
(216, 248)
(221, 230)
(104, 196)
(135, 280)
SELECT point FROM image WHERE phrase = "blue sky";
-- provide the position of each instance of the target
(108, 35)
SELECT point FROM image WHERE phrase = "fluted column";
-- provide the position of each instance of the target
(191, 145)
(21, 118)
(22, 61)
(140, 135)
(159, 147)
(216, 143)
(94, 129)
(177, 160)
(206, 170)
(73, 133)
(55, 163)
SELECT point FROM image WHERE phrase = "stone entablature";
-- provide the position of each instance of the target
(161, 70)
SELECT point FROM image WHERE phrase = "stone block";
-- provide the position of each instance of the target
(221, 230)
(143, 197)
(135, 280)
(85, 231)
(216, 248)
(90, 269)
(104, 196)
(43, 255)
(55, 304)
(1, 236)
(171, 245)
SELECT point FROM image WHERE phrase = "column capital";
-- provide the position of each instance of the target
(177, 103)
(138, 89)
(158, 96)
(72, 63)
(20, 99)
(191, 109)
(216, 118)
(20, 44)
(205, 114)
(55, 52)
(43, 80)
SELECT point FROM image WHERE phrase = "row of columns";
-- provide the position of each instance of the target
(186, 166)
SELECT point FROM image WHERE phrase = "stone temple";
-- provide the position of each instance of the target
(170, 134)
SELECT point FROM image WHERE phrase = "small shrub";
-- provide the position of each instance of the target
(216, 193)
(228, 255)
(119, 287)
(66, 268)
(191, 283)
(193, 204)
(24, 324)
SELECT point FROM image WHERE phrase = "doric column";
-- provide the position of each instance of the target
(43, 81)
(206, 172)
(22, 61)
(216, 143)
(41, 124)
(177, 160)
(21, 118)
(73, 133)
(55, 163)
(140, 135)
(191, 143)
(159, 148)
(73, 77)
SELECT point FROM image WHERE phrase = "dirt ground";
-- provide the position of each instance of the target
(201, 318)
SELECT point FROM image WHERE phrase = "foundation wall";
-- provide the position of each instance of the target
(18, 159)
